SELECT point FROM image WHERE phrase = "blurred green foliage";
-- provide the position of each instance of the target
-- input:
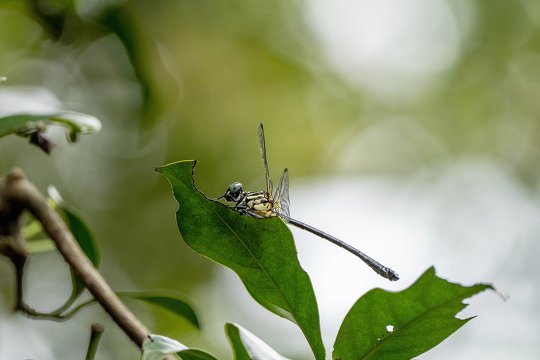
(178, 80)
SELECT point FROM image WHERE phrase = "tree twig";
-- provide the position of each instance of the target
(18, 194)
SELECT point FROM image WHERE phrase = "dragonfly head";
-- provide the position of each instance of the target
(234, 192)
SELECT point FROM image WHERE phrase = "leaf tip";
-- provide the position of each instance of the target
(163, 168)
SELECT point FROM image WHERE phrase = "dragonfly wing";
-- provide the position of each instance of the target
(282, 194)
(262, 148)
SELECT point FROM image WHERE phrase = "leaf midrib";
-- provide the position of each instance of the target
(253, 255)
(265, 272)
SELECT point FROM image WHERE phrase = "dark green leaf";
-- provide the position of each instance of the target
(418, 318)
(166, 300)
(120, 23)
(260, 251)
(77, 226)
(194, 354)
(247, 346)
(84, 238)
(82, 234)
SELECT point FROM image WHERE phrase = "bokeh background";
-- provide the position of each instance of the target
(410, 129)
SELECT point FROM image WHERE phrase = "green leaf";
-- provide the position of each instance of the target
(387, 325)
(194, 354)
(26, 124)
(167, 300)
(37, 246)
(260, 251)
(84, 238)
(247, 346)
(77, 226)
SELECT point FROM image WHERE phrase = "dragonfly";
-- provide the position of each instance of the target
(270, 203)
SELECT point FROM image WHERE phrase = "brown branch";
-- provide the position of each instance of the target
(18, 194)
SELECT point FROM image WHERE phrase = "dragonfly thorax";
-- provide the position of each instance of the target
(259, 203)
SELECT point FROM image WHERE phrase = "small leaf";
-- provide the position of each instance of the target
(261, 251)
(386, 325)
(37, 246)
(247, 346)
(194, 354)
(32, 229)
(84, 238)
(157, 347)
(77, 226)
(166, 300)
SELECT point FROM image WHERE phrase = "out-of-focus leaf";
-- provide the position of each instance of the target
(32, 229)
(194, 354)
(84, 237)
(166, 300)
(157, 347)
(386, 325)
(77, 226)
(247, 346)
(37, 246)
(51, 15)
(260, 251)
(116, 19)
(28, 124)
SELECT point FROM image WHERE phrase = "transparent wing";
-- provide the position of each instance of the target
(282, 194)
(262, 148)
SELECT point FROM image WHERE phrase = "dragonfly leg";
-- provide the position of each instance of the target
(244, 209)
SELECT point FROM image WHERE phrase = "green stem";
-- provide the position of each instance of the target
(95, 337)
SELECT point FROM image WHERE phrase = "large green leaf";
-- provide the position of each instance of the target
(260, 251)
(247, 346)
(394, 326)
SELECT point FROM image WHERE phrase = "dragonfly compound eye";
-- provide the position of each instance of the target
(235, 188)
